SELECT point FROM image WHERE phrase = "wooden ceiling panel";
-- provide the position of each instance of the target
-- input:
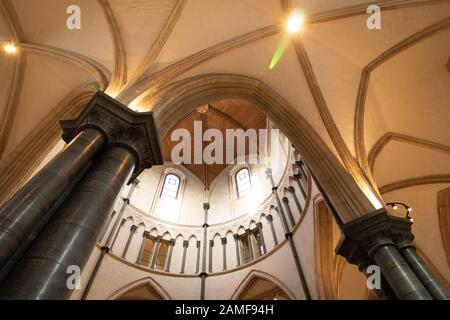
(221, 115)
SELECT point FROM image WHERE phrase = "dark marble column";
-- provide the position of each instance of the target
(211, 246)
(183, 261)
(204, 274)
(298, 178)
(289, 212)
(102, 235)
(250, 243)
(291, 190)
(277, 198)
(169, 257)
(122, 222)
(224, 251)
(155, 252)
(272, 229)
(238, 254)
(197, 264)
(263, 244)
(70, 236)
(27, 212)
(145, 235)
(404, 239)
(373, 237)
(130, 237)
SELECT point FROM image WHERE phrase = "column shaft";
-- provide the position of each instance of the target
(289, 212)
(437, 290)
(169, 257)
(155, 252)
(272, 229)
(211, 246)
(250, 244)
(399, 275)
(183, 261)
(238, 255)
(71, 236)
(224, 256)
(263, 244)
(197, 264)
(291, 189)
(130, 237)
(141, 249)
(27, 212)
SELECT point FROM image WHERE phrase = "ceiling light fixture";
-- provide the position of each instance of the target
(394, 206)
(10, 48)
(294, 23)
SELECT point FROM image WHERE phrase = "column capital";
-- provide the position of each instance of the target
(291, 189)
(185, 243)
(269, 218)
(224, 240)
(206, 206)
(248, 231)
(363, 236)
(236, 236)
(259, 225)
(285, 200)
(268, 172)
(297, 176)
(172, 242)
(120, 126)
(133, 228)
(198, 243)
(211, 243)
(145, 234)
(158, 238)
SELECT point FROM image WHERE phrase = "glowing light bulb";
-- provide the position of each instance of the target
(295, 22)
(409, 209)
(395, 207)
(10, 48)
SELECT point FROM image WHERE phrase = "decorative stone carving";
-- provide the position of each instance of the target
(120, 126)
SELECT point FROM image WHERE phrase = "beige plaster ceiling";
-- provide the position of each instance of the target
(353, 85)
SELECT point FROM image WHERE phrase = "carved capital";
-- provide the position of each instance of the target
(145, 234)
(224, 241)
(291, 189)
(211, 243)
(185, 243)
(206, 206)
(269, 218)
(172, 242)
(363, 236)
(133, 228)
(236, 236)
(120, 126)
(285, 200)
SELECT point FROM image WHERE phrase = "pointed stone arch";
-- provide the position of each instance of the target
(242, 291)
(140, 288)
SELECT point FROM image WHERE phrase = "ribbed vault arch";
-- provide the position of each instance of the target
(178, 99)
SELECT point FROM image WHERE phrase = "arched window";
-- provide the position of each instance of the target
(243, 184)
(170, 187)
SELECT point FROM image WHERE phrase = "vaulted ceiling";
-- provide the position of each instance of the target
(365, 92)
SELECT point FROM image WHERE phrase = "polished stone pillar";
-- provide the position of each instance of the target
(169, 257)
(130, 237)
(263, 244)
(197, 264)
(116, 227)
(238, 254)
(183, 261)
(373, 238)
(145, 235)
(102, 235)
(224, 253)
(301, 165)
(203, 274)
(250, 243)
(71, 234)
(272, 229)
(291, 190)
(289, 212)
(298, 178)
(27, 212)
(122, 222)
(211, 246)
(155, 252)
(404, 239)
(277, 198)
